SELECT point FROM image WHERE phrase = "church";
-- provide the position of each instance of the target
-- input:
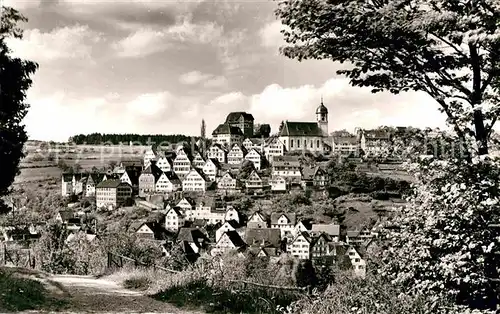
(311, 136)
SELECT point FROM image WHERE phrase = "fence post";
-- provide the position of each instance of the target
(109, 260)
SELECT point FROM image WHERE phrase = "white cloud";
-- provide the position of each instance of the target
(70, 42)
(150, 104)
(271, 36)
(207, 80)
(20, 4)
(193, 77)
(147, 41)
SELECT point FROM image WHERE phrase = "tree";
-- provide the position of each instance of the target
(14, 82)
(447, 49)
(203, 129)
(282, 125)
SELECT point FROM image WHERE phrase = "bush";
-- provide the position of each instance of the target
(137, 283)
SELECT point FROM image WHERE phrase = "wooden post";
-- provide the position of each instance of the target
(109, 260)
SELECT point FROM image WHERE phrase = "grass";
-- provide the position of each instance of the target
(199, 295)
(19, 293)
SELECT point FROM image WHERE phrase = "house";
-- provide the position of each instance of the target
(198, 160)
(66, 184)
(229, 241)
(79, 183)
(165, 163)
(232, 214)
(300, 247)
(195, 181)
(374, 142)
(227, 135)
(192, 241)
(168, 182)
(229, 226)
(229, 184)
(263, 237)
(346, 145)
(255, 182)
(112, 193)
(182, 164)
(273, 147)
(333, 230)
(216, 151)
(202, 209)
(131, 177)
(257, 220)
(357, 260)
(186, 204)
(306, 135)
(287, 167)
(254, 156)
(236, 155)
(254, 143)
(320, 246)
(174, 219)
(148, 179)
(81, 236)
(211, 168)
(243, 121)
(63, 216)
(129, 164)
(150, 155)
(314, 176)
(283, 221)
(359, 236)
(151, 231)
(301, 226)
(93, 180)
(279, 184)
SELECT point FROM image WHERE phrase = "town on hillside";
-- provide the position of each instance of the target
(195, 189)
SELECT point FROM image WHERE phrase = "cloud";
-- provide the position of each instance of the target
(21, 4)
(67, 43)
(271, 36)
(147, 41)
(207, 80)
(150, 104)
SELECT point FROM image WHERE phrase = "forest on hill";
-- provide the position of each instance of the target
(98, 138)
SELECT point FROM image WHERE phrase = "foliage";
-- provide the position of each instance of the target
(14, 82)
(150, 139)
(442, 243)
(447, 49)
(21, 294)
(246, 169)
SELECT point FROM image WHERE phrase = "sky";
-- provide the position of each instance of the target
(161, 66)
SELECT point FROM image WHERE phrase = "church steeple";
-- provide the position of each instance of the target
(322, 117)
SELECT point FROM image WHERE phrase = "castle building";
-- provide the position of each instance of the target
(242, 120)
(311, 136)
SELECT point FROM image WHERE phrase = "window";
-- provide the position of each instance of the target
(317, 144)
(298, 143)
(311, 144)
(291, 143)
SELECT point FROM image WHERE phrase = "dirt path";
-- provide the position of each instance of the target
(87, 294)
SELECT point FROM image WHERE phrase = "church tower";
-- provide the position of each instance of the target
(322, 118)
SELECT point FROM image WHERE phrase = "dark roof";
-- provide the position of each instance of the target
(219, 146)
(321, 109)
(172, 177)
(330, 229)
(377, 135)
(275, 216)
(177, 210)
(235, 238)
(227, 129)
(96, 177)
(131, 163)
(345, 139)
(67, 177)
(241, 147)
(264, 237)
(113, 183)
(215, 162)
(66, 214)
(235, 116)
(301, 129)
(309, 172)
(293, 161)
(152, 169)
(192, 235)
(133, 176)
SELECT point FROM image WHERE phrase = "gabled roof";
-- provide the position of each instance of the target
(330, 229)
(305, 235)
(241, 147)
(228, 173)
(215, 161)
(172, 177)
(258, 213)
(272, 139)
(133, 176)
(225, 128)
(66, 214)
(301, 129)
(113, 184)
(235, 238)
(353, 140)
(131, 163)
(264, 237)
(308, 172)
(219, 146)
(152, 169)
(254, 150)
(208, 201)
(255, 140)
(377, 135)
(232, 223)
(176, 210)
(189, 200)
(235, 116)
(191, 235)
(96, 177)
(200, 173)
(290, 216)
(255, 174)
